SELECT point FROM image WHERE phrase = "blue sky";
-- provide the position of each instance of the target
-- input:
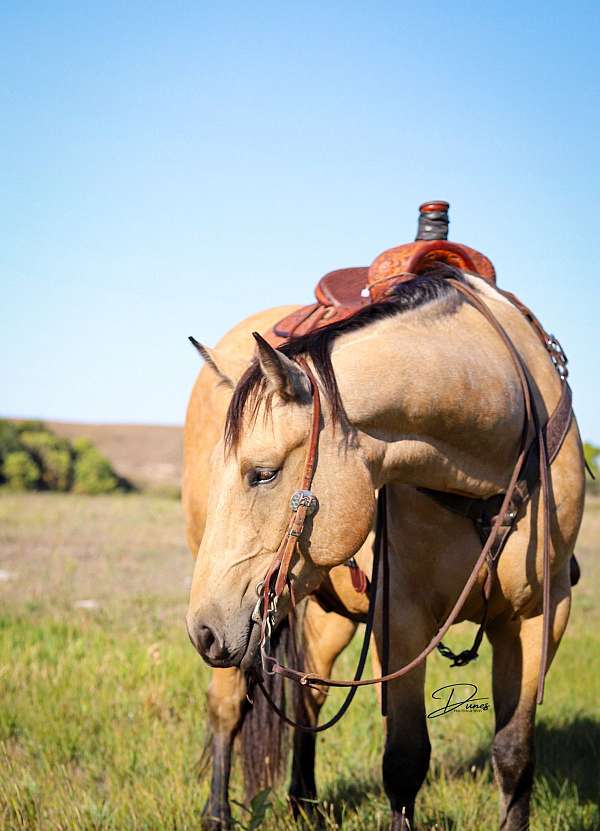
(169, 168)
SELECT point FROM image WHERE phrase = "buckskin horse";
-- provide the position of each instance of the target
(329, 621)
(421, 379)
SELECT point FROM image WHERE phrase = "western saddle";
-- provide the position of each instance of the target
(342, 293)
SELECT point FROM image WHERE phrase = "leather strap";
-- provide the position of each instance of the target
(360, 581)
(282, 560)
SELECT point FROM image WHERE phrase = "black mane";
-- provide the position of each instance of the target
(316, 346)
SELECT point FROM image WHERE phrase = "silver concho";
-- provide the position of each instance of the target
(306, 498)
(557, 354)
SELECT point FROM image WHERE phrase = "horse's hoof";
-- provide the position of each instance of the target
(401, 822)
(304, 810)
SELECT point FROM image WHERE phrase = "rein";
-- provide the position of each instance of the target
(303, 504)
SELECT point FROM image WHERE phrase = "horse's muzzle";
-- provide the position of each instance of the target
(223, 645)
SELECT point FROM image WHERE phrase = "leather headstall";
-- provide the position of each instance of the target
(303, 503)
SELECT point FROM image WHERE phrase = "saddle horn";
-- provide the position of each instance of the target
(433, 221)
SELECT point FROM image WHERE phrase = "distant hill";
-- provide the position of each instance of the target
(149, 456)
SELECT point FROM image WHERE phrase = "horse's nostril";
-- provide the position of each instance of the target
(206, 639)
(208, 643)
(210, 636)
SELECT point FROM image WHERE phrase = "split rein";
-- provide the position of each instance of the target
(303, 504)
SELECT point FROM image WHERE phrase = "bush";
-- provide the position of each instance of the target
(9, 438)
(20, 471)
(34, 458)
(80, 445)
(58, 469)
(592, 454)
(93, 473)
(53, 456)
(31, 425)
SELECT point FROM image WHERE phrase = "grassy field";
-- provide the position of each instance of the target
(102, 705)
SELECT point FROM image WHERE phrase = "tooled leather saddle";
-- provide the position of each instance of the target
(342, 293)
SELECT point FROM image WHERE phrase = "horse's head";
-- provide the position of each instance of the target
(256, 468)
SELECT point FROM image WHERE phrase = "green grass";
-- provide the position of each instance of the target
(102, 711)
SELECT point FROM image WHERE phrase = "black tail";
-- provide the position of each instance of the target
(265, 740)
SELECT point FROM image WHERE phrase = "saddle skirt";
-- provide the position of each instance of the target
(342, 293)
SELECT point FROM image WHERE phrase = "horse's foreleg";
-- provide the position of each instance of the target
(226, 694)
(326, 634)
(517, 646)
(407, 746)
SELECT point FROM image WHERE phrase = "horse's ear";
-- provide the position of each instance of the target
(228, 368)
(283, 375)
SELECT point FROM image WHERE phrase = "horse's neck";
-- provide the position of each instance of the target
(434, 397)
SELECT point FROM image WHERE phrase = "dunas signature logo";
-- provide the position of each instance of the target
(458, 698)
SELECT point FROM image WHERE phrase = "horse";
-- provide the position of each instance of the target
(419, 395)
(326, 626)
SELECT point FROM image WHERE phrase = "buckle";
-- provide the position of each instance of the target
(509, 518)
(256, 616)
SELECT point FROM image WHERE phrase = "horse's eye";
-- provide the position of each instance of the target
(260, 476)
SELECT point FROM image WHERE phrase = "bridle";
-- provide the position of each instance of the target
(303, 504)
